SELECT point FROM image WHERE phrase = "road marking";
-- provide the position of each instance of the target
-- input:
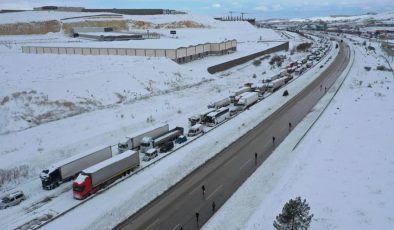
(153, 223)
(240, 169)
(217, 189)
(176, 226)
(197, 187)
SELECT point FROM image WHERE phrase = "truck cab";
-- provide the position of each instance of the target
(50, 178)
(150, 154)
(124, 145)
(146, 144)
(81, 187)
(195, 130)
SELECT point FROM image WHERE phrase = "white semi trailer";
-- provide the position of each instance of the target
(220, 103)
(102, 174)
(246, 99)
(238, 92)
(276, 84)
(70, 167)
(134, 141)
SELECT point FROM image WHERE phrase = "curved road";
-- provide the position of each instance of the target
(222, 175)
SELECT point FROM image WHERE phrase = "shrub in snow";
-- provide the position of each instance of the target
(256, 62)
(367, 68)
(303, 46)
(294, 216)
(382, 68)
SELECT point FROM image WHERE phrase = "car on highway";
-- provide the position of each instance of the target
(12, 199)
(167, 147)
(181, 139)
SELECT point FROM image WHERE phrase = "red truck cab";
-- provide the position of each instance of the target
(82, 187)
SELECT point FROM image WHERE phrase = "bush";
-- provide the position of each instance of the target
(12, 174)
(278, 60)
(256, 62)
(382, 68)
(303, 46)
(367, 68)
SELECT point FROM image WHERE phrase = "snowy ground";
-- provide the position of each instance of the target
(97, 101)
(343, 166)
(155, 180)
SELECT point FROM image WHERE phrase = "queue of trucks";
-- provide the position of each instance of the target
(100, 167)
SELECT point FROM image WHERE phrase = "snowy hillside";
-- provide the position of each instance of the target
(379, 16)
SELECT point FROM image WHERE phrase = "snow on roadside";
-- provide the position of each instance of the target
(121, 201)
(343, 167)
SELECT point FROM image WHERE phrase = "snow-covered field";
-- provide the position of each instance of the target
(344, 166)
(55, 106)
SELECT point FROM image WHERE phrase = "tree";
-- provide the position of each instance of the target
(294, 216)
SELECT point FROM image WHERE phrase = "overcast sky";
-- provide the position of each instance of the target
(254, 8)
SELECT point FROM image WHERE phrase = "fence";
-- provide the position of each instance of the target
(238, 61)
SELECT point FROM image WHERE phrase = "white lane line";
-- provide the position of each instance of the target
(217, 189)
(176, 227)
(240, 169)
(152, 224)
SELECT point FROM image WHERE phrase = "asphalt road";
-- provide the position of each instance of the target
(221, 176)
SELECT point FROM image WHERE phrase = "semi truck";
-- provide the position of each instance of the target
(276, 84)
(238, 92)
(149, 142)
(246, 99)
(93, 178)
(67, 169)
(200, 117)
(133, 141)
(220, 103)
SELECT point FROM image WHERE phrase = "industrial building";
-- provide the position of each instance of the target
(179, 55)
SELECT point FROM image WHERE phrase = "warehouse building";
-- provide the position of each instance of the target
(179, 55)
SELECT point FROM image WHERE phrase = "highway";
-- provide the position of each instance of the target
(215, 181)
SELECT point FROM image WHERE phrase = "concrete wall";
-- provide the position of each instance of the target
(238, 61)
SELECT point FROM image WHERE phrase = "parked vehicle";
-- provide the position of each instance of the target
(133, 141)
(272, 78)
(12, 199)
(149, 142)
(195, 130)
(274, 85)
(167, 147)
(71, 167)
(247, 99)
(218, 116)
(238, 92)
(92, 179)
(181, 139)
(220, 103)
(288, 78)
(199, 118)
(150, 154)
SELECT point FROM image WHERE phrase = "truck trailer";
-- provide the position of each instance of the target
(276, 84)
(70, 167)
(92, 179)
(246, 99)
(220, 103)
(238, 92)
(133, 141)
(149, 142)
